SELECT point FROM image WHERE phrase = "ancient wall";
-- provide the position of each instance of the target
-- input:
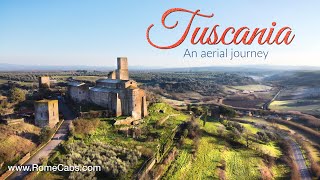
(106, 85)
(112, 75)
(131, 83)
(78, 93)
(101, 98)
(41, 114)
(144, 106)
(118, 108)
(136, 103)
(53, 107)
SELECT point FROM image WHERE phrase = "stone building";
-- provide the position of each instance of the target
(116, 93)
(46, 113)
(44, 82)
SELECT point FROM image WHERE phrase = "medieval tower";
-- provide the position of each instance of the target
(44, 82)
(122, 72)
(46, 113)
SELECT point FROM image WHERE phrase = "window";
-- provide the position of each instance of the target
(53, 113)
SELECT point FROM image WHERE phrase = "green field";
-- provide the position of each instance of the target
(213, 152)
(306, 106)
(147, 143)
(4, 81)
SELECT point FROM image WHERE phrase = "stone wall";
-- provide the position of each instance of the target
(13, 121)
(101, 98)
(78, 93)
(53, 112)
(112, 75)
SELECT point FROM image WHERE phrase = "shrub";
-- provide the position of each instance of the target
(84, 126)
(227, 111)
(113, 160)
(17, 95)
(233, 126)
(190, 128)
(45, 134)
(262, 136)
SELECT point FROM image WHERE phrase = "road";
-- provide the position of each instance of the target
(267, 104)
(304, 172)
(61, 135)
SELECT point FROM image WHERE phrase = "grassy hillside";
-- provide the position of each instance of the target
(147, 137)
(296, 78)
(217, 158)
(16, 141)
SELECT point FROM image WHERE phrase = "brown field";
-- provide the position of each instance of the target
(253, 100)
(17, 140)
(249, 96)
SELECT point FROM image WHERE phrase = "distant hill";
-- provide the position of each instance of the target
(296, 78)
(244, 68)
(16, 67)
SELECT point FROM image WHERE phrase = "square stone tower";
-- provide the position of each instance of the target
(46, 113)
(122, 72)
(44, 82)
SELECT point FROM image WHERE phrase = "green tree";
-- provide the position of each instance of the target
(227, 111)
(248, 135)
(17, 95)
(45, 134)
(205, 109)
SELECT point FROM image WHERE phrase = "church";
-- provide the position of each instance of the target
(116, 93)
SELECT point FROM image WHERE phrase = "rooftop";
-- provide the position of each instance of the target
(76, 83)
(103, 89)
(45, 101)
(110, 80)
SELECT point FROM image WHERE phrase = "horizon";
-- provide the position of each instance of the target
(27, 67)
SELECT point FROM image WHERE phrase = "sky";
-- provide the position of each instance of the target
(96, 32)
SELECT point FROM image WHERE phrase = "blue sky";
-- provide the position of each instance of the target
(83, 32)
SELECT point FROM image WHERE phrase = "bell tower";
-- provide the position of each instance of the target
(122, 72)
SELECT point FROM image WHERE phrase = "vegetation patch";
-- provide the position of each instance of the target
(15, 141)
(306, 106)
(115, 161)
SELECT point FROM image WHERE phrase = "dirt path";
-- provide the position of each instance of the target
(160, 122)
(267, 104)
